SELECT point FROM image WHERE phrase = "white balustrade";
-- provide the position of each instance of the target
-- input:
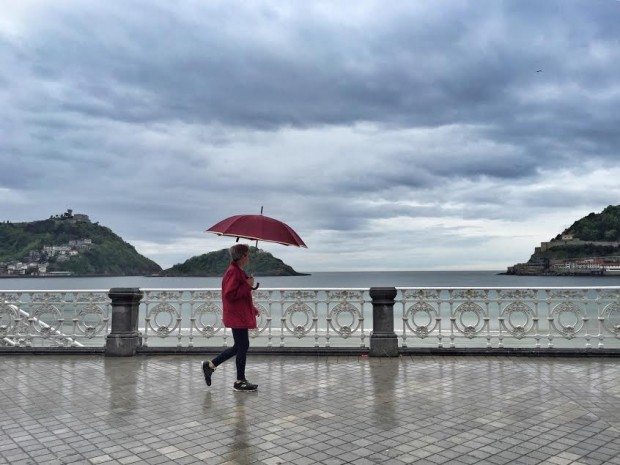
(54, 318)
(586, 318)
(287, 317)
(510, 317)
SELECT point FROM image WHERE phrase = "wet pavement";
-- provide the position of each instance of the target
(310, 410)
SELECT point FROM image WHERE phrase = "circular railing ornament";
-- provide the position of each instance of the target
(422, 308)
(518, 331)
(46, 328)
(611, 312)
(298, 331)
(86, 324)
(163, 329)
(337, 312)
(568, 331)
(8, 317)
(262, 322)
(201, 313)
(469, 330)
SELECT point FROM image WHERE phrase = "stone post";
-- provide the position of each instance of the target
(383, 340)
(124, 338)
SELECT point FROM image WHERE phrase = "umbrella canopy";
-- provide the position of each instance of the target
(257, 227)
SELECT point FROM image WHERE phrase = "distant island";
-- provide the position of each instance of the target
(70, 244)
(215, 263)
(591, 246)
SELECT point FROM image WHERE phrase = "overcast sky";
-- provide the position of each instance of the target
(389, 135)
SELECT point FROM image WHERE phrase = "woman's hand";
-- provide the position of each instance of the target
(251, 281)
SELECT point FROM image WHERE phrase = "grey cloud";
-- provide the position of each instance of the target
(464, 64)
(398, 70)
(158, 118)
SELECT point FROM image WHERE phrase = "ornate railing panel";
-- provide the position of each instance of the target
(54, 318)
(510, 317)
(287, 317)
(424, 317)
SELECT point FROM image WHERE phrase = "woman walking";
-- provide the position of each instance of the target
(239, 314)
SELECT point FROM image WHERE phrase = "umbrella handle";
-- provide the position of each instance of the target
(256, 286)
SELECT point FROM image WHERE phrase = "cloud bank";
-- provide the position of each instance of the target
(391, 136)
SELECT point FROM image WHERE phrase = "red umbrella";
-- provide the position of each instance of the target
(259, 228)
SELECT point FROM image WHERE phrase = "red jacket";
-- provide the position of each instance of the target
(238, 309)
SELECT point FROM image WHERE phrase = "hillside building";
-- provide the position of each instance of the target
(80, 217)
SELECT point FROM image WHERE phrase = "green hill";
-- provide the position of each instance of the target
(105, 254)
(596, 235)
(604, 226)
(215, 263)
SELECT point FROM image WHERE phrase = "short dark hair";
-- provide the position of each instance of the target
(238, 251)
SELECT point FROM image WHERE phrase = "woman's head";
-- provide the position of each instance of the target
(239, 252)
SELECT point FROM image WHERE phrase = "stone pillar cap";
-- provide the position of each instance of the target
(383, 292)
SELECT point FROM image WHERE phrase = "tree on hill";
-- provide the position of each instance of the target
(604, 226)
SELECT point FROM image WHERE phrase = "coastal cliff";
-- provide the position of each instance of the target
(590, 246)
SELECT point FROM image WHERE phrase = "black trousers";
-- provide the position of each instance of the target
(240, 349)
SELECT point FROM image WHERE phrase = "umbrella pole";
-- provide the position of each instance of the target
(261, 212)
(256, 284)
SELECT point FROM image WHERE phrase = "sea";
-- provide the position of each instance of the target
(344, 279)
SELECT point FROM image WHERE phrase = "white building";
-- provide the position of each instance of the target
(52, 250)
(612, 268)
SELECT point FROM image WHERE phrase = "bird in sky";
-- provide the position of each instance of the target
(539, 71)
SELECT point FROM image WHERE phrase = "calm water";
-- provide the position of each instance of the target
(325, 279)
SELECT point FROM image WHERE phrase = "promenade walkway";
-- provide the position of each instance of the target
(310, 410)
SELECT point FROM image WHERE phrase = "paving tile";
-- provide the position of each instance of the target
(327, 410)
(100, 459)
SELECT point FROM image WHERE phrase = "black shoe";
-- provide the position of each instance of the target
(245, 386)
(208, 371)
